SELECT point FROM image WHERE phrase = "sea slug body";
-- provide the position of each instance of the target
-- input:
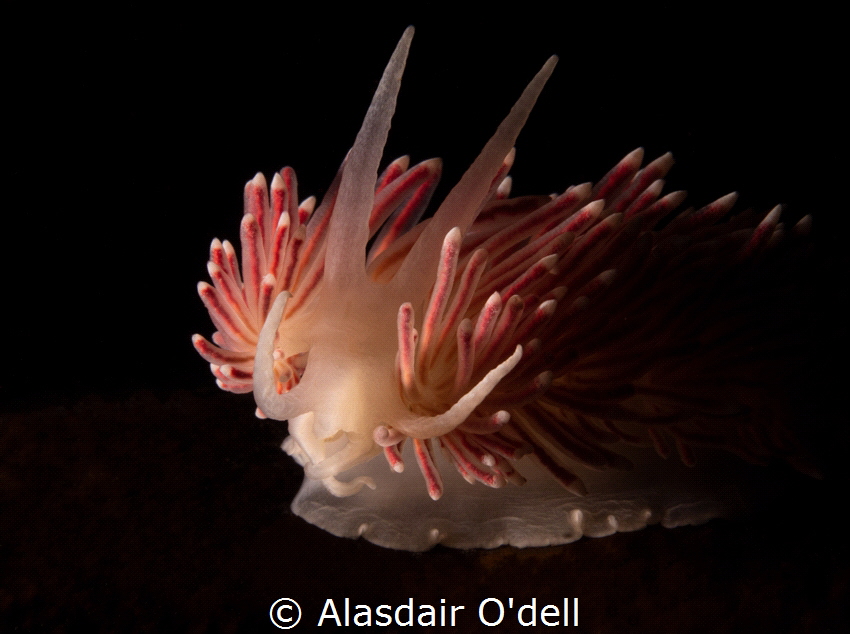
(575, 353)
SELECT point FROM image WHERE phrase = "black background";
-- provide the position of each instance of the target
(136, 496)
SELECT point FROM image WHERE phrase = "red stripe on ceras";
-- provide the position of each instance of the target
(264, 299)
(644, 200)
(393, 171)
(290, 185)
(583, 219)
(473, 448)
(433, 481)
(761, 233)
(468, 281)
(643, 179)
(536, 319)
(557, 209)
(658, 210)
(504, 328)
(393, 456)
(278, 247)
(462, 459)
(279, 202)
(710, 213)
(221, 317)
(406, 350)
(220, 356)
(486, 321)
(232, 264)
(411, 208)
(256, 203)
(253, 258)
(439, 299)
(505, 275)
(231, 294)
(421, 180)
(507, 448)
(463, 371)
(292, 259)
(507, 163)
(534, 273)
(391, 196)
(590, 241)
(317, 238)
(217, 254)
(623, 170)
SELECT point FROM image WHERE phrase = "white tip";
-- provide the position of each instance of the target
(727, 201)
(803, 226)
(258, 181)
(773, 217)
(635, 157)
(504, 189)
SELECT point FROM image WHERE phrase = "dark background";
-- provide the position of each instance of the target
(136, 496)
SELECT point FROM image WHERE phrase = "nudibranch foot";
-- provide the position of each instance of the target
(539, 513)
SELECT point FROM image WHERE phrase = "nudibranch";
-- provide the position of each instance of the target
(574, 352)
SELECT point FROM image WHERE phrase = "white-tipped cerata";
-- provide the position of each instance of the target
(564, 343)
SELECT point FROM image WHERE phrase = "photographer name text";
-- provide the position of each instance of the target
(491, 611)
